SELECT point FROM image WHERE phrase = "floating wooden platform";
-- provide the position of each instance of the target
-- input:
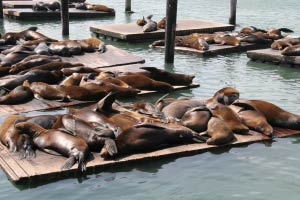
(273, 56)
(24, 4)
(40, 169)
(218, 49)
(29, 14)
(133, 32)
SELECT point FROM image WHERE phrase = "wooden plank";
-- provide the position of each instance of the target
(29, 14)
(42, 170)
(133, 32)
(24, 4)
(218, 49)
(273, 56)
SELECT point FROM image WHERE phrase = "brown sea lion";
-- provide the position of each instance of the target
(291, 51)
(257, 39)
(196, 119)
(192, 42)
(74, 79)
(253, 118)
(228, 116)
(90, 44)
(102, 8)
(52, 77)
(55, 65)
(19, 95)
(227, 40)
(162, 23)
(218, 131)
(144, 83)
(285, 42)
(275, 115)
(15, 57)
(141, 22)
(67, 145)
(80, 69)
(226, 95)
(44, 91)
(147, 137)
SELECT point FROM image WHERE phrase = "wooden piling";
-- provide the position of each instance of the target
(171, 14)
(232, 18)
(128, 6)
(65, 16)
(1, 9)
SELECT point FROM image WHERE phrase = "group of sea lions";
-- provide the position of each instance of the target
(95, 7)
(113, 128)
(150, 25)
(46, 6)
(201, 41)
(289, 46)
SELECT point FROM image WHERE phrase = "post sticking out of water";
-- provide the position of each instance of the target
(1, 9)
(170, 30)
(232, 18)
(128, 6)
(65, 16)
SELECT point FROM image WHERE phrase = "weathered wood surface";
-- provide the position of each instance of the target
(273, 56)
(218, 49)
(24, 4)
(40, 169)
(29, 14)
(112, 57)
(133, 32)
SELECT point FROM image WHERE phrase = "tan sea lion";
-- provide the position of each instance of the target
(291, 51)
(227, 40)
(146, 137)
(19, 95)
(63, 143)
(102, 8)
(228, 116)
(90, 44)
(219, 132)
(162, 23)
(141, 22)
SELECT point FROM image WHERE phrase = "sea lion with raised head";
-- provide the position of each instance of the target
(162, 23)
(150, 25)
(19, 95)
(141, 22)
(146, 137)
(56, 140)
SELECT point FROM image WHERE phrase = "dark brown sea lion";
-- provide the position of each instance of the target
(65, 48)
(218, 131)
(44, 91)
(227, 40)
(150, 25)
(291, 51)
(67, 145)
(196, 119)
(55, 65)
(34, 76)
(80, 69)
(162, 23)
(14, 57)
(253, 118)
(144, 83)
(19, 95)
(33, 61)
(146, 137)
(96, 138)
(228, 116)
(275, 115)
(141, 22)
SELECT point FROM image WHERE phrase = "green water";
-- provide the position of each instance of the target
(257, 171)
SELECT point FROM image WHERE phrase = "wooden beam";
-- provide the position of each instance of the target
(1, 9)
(232, 18)
(170, 30)
(128, 6)
(65, 16)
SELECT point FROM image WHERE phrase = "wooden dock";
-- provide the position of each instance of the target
(24, 4)
(132, 32)
(29, 14)
(217, 49)
(273, 56)
(39, 170)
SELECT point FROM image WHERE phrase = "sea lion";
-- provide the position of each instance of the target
(218, 131)
(44, 91)
(162, 23)
(19, 95)
(228, 116)
(146, 137)
(33, 61)
(42, 49)
(52, 77)
(275, 34)
(14, 57)
(196, 118)
(92, 44)
(285, 42)
(9, 136)
(291, 51)
(17, 48)
(54, 65)
(74, 79)
(65, 48)
(227, 40)
(79, 69)
(144, 83)
(276, 116)
(56, 140)
(225, 96)
(102, 8)
(141, 22)
(96, 138)
(253, 118)
(150, 25)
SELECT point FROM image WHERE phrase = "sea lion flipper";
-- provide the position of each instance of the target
(203, 133)
(102, 48)
(148, 125)
(286, 30)
(111, 147)
(105, 104)
(69, 163)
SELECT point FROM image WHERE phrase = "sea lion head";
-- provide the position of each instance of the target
(227, 95)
